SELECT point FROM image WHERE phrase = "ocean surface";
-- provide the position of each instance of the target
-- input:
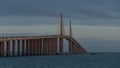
(62, 61)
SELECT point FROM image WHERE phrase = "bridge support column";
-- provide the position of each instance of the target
(44, 41)
(2, 48)
(45, 48)
(18, 44)
(32, 46)
(73, 47)
(77, 49)
(51, 46)
(70, 47)
(8, 48)
(39, 46)
(13, 48)
(55, 45)
(50, 42)
(61, 45)
(23, 47)
(28, 47)
(36, 46)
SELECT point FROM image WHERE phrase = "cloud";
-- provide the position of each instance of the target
(97, 32)
(25, 8)
(96, 45)
(24, 12)
(96, 13)
(27, 21)
(51, 8)
(79, 31)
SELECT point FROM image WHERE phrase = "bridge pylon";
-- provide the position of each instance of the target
(70, 29)
(61, 33)
(61, 26)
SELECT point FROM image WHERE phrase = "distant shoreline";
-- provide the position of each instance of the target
(103, 53)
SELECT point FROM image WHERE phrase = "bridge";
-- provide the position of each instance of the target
(40, 45)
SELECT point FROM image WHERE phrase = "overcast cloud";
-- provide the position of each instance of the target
(77, 9)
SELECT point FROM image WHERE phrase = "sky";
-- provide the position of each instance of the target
(96, 23)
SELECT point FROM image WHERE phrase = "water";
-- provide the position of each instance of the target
(62, 61)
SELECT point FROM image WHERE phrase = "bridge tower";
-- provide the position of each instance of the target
(61, 33)
(70, 29)
(70, 44)
(61, 26)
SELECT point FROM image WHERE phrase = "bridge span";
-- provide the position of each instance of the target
(40, 45)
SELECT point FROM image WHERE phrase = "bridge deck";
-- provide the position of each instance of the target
(31, 37)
